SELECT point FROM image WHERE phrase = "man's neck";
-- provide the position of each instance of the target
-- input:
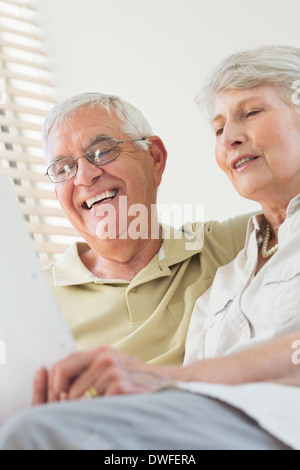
(120, 259)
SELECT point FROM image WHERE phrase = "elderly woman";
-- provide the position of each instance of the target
(242, 341)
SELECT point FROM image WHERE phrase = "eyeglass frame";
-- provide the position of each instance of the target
(85, 155)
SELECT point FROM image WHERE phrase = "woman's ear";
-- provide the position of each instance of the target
(159, 156)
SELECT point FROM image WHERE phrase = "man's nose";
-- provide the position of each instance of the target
(86, 172)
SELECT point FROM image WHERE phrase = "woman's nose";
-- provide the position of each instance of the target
(233, 134)
(86, 172)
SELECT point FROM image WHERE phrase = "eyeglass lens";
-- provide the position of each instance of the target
(99, 154)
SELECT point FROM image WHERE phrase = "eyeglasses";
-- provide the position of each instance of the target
(99, 154)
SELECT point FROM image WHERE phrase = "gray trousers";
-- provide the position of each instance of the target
(165, 420)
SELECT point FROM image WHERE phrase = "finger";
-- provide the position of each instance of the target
(118, 373)
(112, 382)
(115, 389)
(40, 386)
(66, 371)
(51, 395)
(134, 377)
(85, 380)
(100, 364)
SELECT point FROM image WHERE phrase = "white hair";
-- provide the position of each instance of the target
(275, 65)
(134, 123)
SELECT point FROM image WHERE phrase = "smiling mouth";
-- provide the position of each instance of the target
(99, 199)
(243, 161)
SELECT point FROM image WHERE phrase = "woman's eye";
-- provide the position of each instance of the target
(219, 131)
(252, 113)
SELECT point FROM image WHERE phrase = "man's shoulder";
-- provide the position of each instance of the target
(67, 266)
(225, 239)
(217, 228)
(239, 222)
(71, 253)
(194, 235)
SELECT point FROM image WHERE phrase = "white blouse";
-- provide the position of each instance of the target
(240, 310)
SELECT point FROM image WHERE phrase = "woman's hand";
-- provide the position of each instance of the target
(109, 371)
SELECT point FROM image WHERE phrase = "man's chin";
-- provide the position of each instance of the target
(109, 230)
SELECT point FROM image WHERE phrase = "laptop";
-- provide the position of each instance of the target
(32, 330)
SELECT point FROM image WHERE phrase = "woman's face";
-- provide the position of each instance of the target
(258, 143)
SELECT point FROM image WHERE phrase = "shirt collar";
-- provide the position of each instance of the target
(257, 221)
(69, 269)
(178, 245)
(293, 205)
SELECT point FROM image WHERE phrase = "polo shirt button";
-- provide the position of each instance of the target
(133, 290)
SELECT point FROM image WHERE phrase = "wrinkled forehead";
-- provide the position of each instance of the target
(234, 99)
(75, 133)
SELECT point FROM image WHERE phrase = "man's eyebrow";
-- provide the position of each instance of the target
(237, 105)
(96, 140)
(58, 159)
(90, 143)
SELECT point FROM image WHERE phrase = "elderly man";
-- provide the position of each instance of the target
(133, 284)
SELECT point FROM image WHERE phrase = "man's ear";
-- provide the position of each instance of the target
(159, 156)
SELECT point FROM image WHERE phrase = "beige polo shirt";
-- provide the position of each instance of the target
(149, 316)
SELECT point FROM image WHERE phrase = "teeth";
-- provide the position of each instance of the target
(100, 197)
(243, 161)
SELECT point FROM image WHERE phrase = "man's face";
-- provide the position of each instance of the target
(132, 175)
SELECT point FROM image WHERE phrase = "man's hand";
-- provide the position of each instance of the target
(108, 370)
(40, 387)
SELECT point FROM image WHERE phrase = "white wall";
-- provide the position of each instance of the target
(154, 54)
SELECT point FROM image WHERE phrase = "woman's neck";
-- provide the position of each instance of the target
(269, 237)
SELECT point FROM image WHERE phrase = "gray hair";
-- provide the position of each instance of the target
(134, 123)
(274, 65)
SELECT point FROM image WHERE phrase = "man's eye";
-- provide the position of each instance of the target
(219, 131)
(63, 170)
(101, 154)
